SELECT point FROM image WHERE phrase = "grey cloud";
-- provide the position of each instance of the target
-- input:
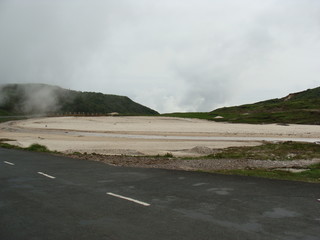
(169, 55)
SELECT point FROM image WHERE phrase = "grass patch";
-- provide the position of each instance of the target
(311, 175)
(289, 117)
(8, 146)
(9, 118)
(33, 147)
(78, 153)
(37, 148)
(199, 115)
(284, 151)
(167, 155)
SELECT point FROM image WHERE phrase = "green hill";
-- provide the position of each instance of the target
(20, 99)
(299, 108)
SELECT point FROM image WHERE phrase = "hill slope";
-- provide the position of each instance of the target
(301, 108)
(42, 98)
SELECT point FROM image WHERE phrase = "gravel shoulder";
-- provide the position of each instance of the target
(194, 164)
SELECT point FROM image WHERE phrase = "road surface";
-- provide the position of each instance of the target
(51, 197)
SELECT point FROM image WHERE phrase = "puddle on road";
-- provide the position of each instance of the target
(220, 191)
(280, 213)
(250, 226)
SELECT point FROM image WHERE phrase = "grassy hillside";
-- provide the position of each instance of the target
(300, 108)
(19, 99)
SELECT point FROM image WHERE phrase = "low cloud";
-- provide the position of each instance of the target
(42, 100)
(169, 55)
(30, 98)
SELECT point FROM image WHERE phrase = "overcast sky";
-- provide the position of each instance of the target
(170, 55)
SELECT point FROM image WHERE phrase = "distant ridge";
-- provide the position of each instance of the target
(48, 99)
(301, 108)
(296, 108)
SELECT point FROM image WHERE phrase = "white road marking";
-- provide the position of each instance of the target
(46, 175)
(129, 199)
(9, 163)
(199, 184)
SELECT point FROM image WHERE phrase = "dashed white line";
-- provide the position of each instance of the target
(199, 184)
(129, 199)
(9, 163)
(46, 175)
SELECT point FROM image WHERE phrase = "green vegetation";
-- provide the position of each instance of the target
(37, 148)
(312, 174)
(7, 119)
(4, 113)
(199, 115)
(297, 108)
(8, 146)
(283, 151)
(33, 147)
(90, 102)
(78, 153)
(167, 155)
(21, 99)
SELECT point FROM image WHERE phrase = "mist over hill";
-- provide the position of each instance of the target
(47, 99)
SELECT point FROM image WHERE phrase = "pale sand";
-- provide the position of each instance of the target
(69, 134)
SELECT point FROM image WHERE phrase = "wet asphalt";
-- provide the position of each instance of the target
(52, 197)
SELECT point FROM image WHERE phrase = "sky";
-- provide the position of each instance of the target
(170, 55)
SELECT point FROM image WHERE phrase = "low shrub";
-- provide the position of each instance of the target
(37, 148)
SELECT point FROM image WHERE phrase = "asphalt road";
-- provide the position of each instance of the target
(51, 197)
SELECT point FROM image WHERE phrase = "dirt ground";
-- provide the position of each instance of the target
(195, 164)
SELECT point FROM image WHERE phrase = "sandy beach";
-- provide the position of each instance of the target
(147, 135)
